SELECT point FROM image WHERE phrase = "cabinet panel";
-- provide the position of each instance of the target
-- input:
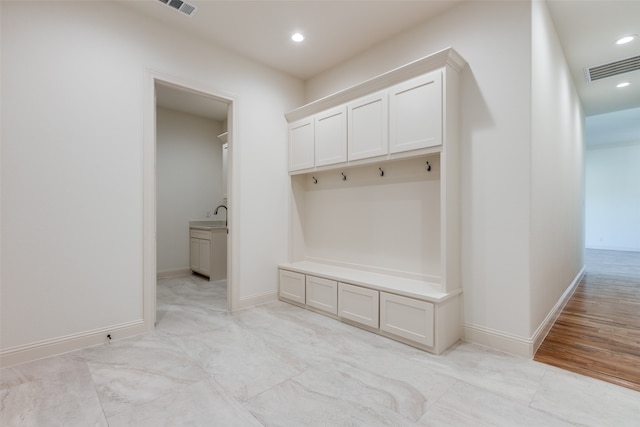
(205, 256)
(292, 286)
(331, 136)
(301, 144)
(368, 130)
(358, 304)
(322, 294)
(194, 254)
(406, 317)
(415, 113)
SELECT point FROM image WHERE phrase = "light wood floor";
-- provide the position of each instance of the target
(598, 332)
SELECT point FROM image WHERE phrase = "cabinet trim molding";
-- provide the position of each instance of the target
(445, 57)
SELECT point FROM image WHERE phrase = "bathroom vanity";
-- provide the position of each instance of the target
(208, 248)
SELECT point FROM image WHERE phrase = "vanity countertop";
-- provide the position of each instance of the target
(207, 225)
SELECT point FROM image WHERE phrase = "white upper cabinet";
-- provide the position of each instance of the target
(301, 144)
(331, 136)
(415, 113)
(368, 133)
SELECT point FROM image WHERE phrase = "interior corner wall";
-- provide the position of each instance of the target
(494, 38)
(188, 182)
(74, 75)
(612, 201)
(557, 172)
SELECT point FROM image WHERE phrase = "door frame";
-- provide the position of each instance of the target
(149, 239)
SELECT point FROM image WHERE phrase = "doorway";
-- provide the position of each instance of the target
(169, 97)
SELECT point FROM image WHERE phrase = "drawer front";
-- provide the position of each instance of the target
(200, 234)
(407, 318)
(322, 294)
(358, 304)
(292, 286)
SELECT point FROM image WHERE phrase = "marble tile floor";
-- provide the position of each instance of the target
(280, 365)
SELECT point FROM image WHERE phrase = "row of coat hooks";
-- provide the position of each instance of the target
(380, 172)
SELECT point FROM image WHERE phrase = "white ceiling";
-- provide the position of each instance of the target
(338, 30)
(334, 30)
(588, 31)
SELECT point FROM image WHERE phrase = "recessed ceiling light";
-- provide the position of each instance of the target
(297, 37)
(623, 84)
(626, 39)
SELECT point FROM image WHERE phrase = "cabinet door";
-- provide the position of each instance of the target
(331, 136)
(205, 256)
(407, 318)
(322, 294)
(368, 131)
(415, 113)
(358, 304)
(292, 286)
(194, 254)
(301, 144)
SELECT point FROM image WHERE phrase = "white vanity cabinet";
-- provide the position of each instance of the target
(368, 134)
(302, 144)
(208, 251)
(200, 253)
(331, 136)
(415, 113)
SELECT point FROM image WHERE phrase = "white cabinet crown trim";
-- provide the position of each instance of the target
(408, 71)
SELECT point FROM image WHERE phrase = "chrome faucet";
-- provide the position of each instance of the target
(226, 221)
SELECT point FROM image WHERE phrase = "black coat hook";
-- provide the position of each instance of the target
(315, 180)
(428, 167)
(344, 178)
(381, 171)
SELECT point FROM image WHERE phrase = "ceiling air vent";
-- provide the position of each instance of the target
(181, 6)
(612, 69)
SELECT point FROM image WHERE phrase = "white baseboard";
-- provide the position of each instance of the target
(253, 300)
(613, 248)
(498, 340)
(170, 274)
(547, 324)
(40, 350)
(518, 345)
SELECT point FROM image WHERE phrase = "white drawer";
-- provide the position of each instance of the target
(407, 318)
(292, 286)
(358, 304)
(200, 234)
(322, 294)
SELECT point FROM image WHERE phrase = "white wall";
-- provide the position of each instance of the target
(73, 84)
(494, 38)
(557, 172)
(388, 224)
(188, 182)
(613, 196)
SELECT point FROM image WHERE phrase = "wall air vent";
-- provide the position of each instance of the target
(181, 6)
(612, 69)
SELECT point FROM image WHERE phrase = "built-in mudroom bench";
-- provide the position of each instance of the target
(374, 232)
